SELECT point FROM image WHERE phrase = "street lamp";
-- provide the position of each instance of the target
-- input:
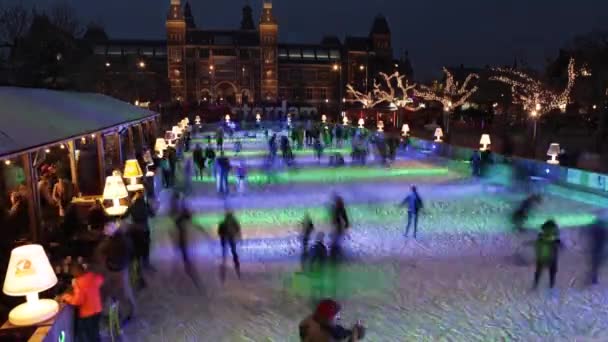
(142, 64)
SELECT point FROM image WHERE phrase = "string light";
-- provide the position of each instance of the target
(62, 146)
(92, 136)
(48, 150)
(83, 140)
(534, 95)
(385, 92)
(7, 162)
(452, 94)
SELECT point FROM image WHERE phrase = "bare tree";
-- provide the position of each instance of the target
(63, 15)
(14, 22)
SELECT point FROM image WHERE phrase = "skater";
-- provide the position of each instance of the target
(307, 229)
(181, 215)
(219, 139)
(210, 157)
(521, 214)
(340, 222)
(597, 243)
(272, 147)
(476, 164)
(241, 176)
(322, 325)
(318, 146)
(172, 158)
(188, 175)
(237, 147)
(229, 231)
(140, 212)
(223, 170)
(166, 169)
(414, 204)
(199, 161)
(547, 251)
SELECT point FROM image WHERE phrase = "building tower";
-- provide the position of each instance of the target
(247, 18)
(269, 32)
(176, 39)
(380, 35)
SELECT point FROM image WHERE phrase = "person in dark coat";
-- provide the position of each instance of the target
(547, 247)
(97, 217)
(172, 158)
(323, 325)
(223, 164)
(210, 158)
(229, 231)
(597, 247)
(476, 164)
(414, 204)
(307, 229)
(199, 160)
(339, 219)
(140, 211)
(182, 216)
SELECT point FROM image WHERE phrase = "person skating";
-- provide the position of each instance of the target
(223, 170)
(86, 297)
(182, 216)
(273, 147)
(172, 157)
(210, 157)
(521, 214)
(546, 249)
(241, 176)
(229, 231)
(307, 229)
(597, 247)
(237, 147)
(414, 204)
(166, 170)
(318, 146)
(140, 211)
(339, 219)
(476, 164)
(322, 325)
(219, 138)
(199, 161)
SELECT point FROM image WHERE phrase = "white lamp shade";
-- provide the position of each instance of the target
(485, 139)
(361, 122)
(323, 117)
(553, 150)
(115, 188)
(160, 144)
(438, 132)
(177, 130)
(227, 117)
(405, 128)
(29, 271)
(170, 135)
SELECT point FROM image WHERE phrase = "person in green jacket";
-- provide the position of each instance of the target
(547, 251)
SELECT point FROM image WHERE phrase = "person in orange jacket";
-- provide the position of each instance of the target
(86, 297)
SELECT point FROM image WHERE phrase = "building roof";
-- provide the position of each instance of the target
(31, 118)
(223, 37)
(380, 26)
(357, 43)
(308, 53)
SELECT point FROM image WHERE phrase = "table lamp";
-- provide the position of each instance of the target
(438, 134)
(227, 118)
(553, 152)
(258, 117)
(405, 129)
(345, 120)
(197, 120)
(177, 131)
(323, 118)
(380, 126)
(133, 171)
(115, 190)
(361, 122)
(29, 272)
(484, 141)
(160, 145)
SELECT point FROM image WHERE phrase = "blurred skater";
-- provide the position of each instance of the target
(340, 222)
(547, 251)
(182, 216)
(521, 214)
(199, 161)
(229, 231)
(597, 243)
(307, 229)
(241, 176)
(414, 204)
(323, 325)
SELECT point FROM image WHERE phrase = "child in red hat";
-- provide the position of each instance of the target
(322, 325)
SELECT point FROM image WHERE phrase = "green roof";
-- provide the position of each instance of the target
(32, 118)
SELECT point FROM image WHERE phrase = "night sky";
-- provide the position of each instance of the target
(435, 32)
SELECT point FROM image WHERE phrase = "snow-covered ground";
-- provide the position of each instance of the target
(457, 282)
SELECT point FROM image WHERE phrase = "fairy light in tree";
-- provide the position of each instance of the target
(392, 88)
(452, 94)
(536, 97)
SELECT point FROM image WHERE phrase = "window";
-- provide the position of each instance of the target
(146, 52)
(176, 55)
(294, 93)
(309, 94)
(295, 54)
(308, 54)
(323, 93)
(203, 53)
(244, 54)
(190, 53)
(334, 54)
(323, 75)
(322, 54)
(282, 53)
(100, 50)
(283, 92)
(224, 52)
(160, 52)
(295, 74)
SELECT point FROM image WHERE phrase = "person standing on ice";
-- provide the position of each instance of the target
(339, 219)
(547, 252)
(241, 176)
(414, 204)
(181, 215)
(318, 146)
(597, 247)
(307, 229)
(229, 231)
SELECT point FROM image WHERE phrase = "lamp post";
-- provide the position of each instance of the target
(338, 68)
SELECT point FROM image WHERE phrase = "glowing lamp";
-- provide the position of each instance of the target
(133, 171)
(438, 134)
(361, 122)
(177, 131)
(484, 141)
(553, 152)
(160, 145)
(187, 120)
(380, 126)
(197, 120)
(115, 190)
(258, 117)
(345, 120)
(323, 118)
(30, 272)
(405, 129)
